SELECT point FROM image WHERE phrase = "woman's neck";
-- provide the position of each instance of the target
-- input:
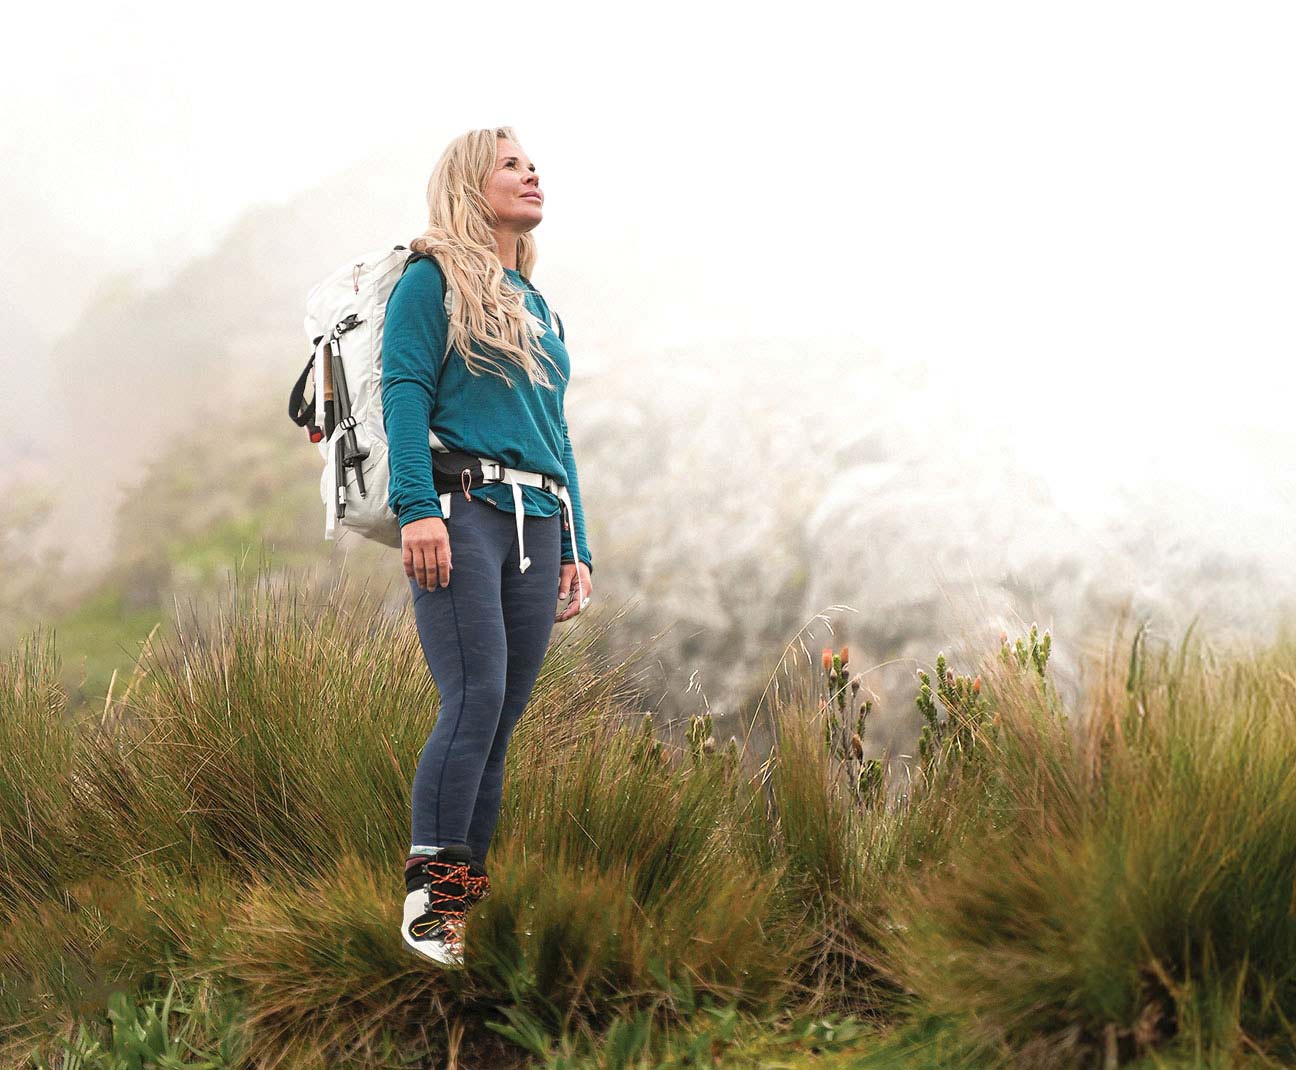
(506, 247)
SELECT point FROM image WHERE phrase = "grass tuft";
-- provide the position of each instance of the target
(211, 870)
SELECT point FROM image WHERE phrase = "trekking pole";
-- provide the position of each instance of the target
(330, 423)
(339, 484)
(330, 416)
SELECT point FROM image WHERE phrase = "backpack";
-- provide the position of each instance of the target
(344, 322)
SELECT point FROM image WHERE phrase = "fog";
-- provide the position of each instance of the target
(1017, 277)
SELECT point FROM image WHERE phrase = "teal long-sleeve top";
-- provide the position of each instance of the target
(523, 426)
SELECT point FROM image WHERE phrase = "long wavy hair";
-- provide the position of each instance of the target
(483, 309)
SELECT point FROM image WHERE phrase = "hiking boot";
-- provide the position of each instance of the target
(436, 903)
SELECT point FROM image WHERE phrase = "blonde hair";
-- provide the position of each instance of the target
(459, 235)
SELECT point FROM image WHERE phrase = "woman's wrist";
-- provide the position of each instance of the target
(413, 513)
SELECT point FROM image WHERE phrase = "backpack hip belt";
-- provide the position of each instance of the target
(487, 470)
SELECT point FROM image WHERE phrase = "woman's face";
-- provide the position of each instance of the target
(513, 189)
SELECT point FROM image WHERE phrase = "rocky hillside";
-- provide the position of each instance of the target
(736, 484)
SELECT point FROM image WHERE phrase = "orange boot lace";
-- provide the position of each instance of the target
(477, 886)
(446, 907)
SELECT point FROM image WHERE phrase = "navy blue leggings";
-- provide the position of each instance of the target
(484, 636)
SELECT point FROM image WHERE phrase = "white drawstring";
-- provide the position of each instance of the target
(524, 562)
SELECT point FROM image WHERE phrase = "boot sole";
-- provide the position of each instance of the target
(445, 964)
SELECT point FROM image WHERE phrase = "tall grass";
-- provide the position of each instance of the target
(260, 768)
(275, 740)
(1130, 877)
(1050, 887)
(37, 784)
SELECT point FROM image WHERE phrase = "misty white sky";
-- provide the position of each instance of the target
(1080, 213)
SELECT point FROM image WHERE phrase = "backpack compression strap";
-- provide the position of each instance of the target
(301, 413)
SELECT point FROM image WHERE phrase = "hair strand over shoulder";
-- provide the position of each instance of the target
(483, 310)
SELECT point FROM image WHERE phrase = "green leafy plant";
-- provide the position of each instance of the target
(145, 1038)
(968, 713)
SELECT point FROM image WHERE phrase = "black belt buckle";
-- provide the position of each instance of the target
(450, 467)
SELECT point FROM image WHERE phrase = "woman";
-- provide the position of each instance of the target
(488, 378)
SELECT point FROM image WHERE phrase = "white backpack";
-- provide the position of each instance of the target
(345, 314)
(344, 322)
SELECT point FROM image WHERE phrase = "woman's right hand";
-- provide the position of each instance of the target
(425, 546)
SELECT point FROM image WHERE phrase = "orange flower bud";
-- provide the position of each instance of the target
(845, 654)
(827, 659)
(1003, 637)
(976, 686)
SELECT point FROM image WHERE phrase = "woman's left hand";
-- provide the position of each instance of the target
(567, 589)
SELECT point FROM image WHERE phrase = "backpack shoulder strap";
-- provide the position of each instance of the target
(423, 256)
(552, 318)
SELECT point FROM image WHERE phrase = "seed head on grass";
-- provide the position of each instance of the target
(699, 736)
(647, 749)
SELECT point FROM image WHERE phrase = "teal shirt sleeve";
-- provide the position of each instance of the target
(578, 514)
(414, 339)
